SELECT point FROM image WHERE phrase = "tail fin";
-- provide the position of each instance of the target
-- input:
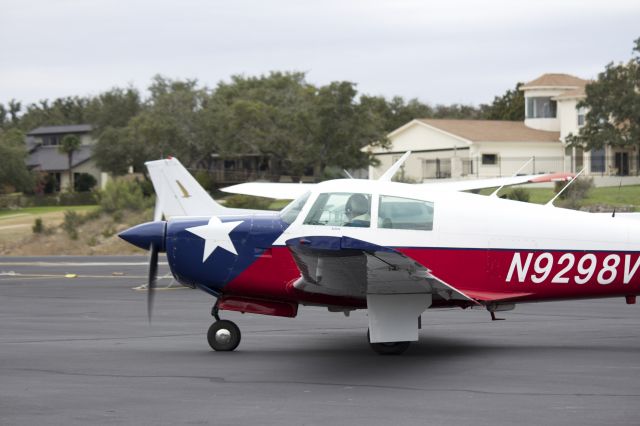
(178, 192)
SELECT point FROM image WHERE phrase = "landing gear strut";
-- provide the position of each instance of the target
(388, 348)
(223, 335)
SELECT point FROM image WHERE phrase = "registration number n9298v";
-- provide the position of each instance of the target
(565, 268)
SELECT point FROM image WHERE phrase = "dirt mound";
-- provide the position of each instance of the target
(95, 236)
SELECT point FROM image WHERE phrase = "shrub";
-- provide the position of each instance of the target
(124, 194)
(38, 227)
(519, 194)
(248, 202)
(578, 189)
(84, 182)
(72, 220)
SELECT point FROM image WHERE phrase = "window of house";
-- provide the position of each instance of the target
(597, 161)
(581, 116)
(541, 107)
(489, 159)
(405, 213)
(48, 140)
(341, 209)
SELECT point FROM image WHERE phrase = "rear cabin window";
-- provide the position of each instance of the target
(341, 209)
(405, 213)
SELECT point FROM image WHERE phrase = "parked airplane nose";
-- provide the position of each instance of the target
(146, 234)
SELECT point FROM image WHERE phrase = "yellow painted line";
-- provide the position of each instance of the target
(78, 263)
(76, 276)
(160, 288)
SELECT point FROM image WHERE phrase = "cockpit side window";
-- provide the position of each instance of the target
(292, 210)
(405, 213)
(341, 209)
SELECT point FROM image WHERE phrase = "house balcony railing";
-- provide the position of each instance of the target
(457, 167)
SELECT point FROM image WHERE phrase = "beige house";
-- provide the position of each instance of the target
(42, 146)
(469, 148)
(487, 148)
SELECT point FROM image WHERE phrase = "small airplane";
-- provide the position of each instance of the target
(396, 250)
(178, 193)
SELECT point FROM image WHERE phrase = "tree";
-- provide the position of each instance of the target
(269, 115)
(613, 107)
(113, 108)
(396, 112)
(342, 128)
(509, 106)
(170, 122)
(14, 174)
(69, 145)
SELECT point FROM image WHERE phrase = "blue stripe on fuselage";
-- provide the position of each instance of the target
(250, 238)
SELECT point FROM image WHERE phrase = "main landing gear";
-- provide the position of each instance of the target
(223, 335)
(388, 348)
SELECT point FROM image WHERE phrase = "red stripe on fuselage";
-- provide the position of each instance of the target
(539, 274)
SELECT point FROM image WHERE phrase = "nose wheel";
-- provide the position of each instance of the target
(223, 335)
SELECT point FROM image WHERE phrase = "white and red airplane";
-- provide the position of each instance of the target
(396, 250)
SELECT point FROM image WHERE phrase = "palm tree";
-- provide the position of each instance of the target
(69, 145)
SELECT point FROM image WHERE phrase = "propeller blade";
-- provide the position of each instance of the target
(153, 276)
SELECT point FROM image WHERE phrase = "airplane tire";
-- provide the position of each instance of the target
(388, 348)
(223, 335)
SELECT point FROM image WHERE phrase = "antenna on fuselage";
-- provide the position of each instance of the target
(619, 188)
(347, 174)
(495, 193)
(550, 203)
(394, 169)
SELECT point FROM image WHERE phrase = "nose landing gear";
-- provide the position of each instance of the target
(223, 335)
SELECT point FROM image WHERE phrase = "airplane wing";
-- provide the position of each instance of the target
(276, 190)
(473, 184)
(290, 191)
(348, 267)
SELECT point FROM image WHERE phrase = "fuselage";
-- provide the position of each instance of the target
(489, 248)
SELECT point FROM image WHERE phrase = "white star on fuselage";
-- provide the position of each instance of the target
(215, 234)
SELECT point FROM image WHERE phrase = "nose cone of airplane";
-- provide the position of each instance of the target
(146, 234)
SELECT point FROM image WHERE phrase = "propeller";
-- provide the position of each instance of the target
(153, 263)
(149, 236)
(153, 277)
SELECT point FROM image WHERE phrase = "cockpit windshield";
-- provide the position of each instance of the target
(341, 209)
(292, 210)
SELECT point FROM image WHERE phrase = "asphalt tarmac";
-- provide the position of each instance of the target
(78, 351)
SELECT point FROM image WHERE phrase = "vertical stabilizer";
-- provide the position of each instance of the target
(179, 194)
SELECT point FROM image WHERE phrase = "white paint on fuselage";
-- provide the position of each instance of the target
(463, 220)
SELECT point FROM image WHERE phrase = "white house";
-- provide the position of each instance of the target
(485, 148)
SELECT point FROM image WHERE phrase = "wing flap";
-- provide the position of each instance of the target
(344, 266)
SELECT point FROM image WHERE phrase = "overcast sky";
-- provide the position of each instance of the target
(441, 51)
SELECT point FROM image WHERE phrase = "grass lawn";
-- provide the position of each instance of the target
(46, 209)
(278, 204)
(613, 196)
